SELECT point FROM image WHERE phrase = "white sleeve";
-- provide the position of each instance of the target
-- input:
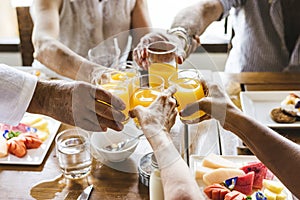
(16, 91)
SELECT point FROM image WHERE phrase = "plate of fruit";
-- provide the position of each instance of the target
(236, 177)
(29, 141)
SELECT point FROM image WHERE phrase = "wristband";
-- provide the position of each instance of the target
(182, 33)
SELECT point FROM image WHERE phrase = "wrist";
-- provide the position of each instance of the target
(38, 98)
(157, 139)
(183, 35)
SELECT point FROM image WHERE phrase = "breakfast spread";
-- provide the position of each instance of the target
(28, 134)
(289, 110)
(223, 179)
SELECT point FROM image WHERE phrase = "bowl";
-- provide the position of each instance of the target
(99, 140)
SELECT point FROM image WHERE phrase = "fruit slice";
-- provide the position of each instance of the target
(260, 171)
(270, 195)
(3, 147)
(217, 161)
(235, 195)
(200, 171)
(273, 186)
(220, 175)
(244, 183)
(216, 191)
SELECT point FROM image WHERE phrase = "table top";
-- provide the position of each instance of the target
(46, 182)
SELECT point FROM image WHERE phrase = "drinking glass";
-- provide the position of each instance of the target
(146, 88)
(131, 71)
(116, 82)
(120, 91)
(162, 59)
(189, 89)
(105, 55)
(74, 153)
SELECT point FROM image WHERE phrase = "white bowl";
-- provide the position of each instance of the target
(99, 140)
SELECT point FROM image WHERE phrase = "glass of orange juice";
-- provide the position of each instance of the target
(116, 82)
(162, 59)
(120, 91)
(146, 88)
(189, 89)
(131, 70)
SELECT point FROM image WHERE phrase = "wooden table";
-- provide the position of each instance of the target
(45, 181)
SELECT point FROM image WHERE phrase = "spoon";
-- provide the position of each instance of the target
(119, 146)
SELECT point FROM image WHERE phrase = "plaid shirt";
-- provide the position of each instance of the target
(259, 42)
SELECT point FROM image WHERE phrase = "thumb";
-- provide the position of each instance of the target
(136, 112)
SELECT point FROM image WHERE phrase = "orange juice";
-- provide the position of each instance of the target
(189, 90)
(143, 97)
(162, 69)
(122, 93)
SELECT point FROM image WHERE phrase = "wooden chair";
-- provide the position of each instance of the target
(25, 31)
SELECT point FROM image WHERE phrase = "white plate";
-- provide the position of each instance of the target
(196, 160)
(258, 105)
(35, 156)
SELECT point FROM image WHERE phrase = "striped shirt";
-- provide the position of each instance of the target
(259, 43)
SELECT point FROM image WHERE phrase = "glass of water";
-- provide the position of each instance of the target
(74, 153)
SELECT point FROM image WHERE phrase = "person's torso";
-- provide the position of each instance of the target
(85, 23)
(259, 43)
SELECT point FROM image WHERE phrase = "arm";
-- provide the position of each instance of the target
(278, 153)
(77, 103)
(48, 50)
(156, 122)
(194, 19)
(140, 19)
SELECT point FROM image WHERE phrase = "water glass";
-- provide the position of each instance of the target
(74, 153)
(162, 59)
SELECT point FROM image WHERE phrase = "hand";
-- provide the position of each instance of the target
(216, 104)
(140, 52)
(160, 115)
(102, 75)
(77, 103)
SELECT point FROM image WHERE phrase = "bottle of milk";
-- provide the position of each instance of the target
(155, 186)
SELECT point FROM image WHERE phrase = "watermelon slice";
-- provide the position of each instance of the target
(235, 195)
(244, 183)
(260, 172)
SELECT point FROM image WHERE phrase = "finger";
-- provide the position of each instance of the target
(190, 109)
(170, 91)
(199, 119)
(101, 125)
(108, 98)
(104, 122)
(180, 59)
(173, 115)
(105, 110)
(135, 112)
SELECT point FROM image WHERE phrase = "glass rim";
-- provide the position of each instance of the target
(197, 75)
(86, 136)
(162, 52)
(145, 75)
